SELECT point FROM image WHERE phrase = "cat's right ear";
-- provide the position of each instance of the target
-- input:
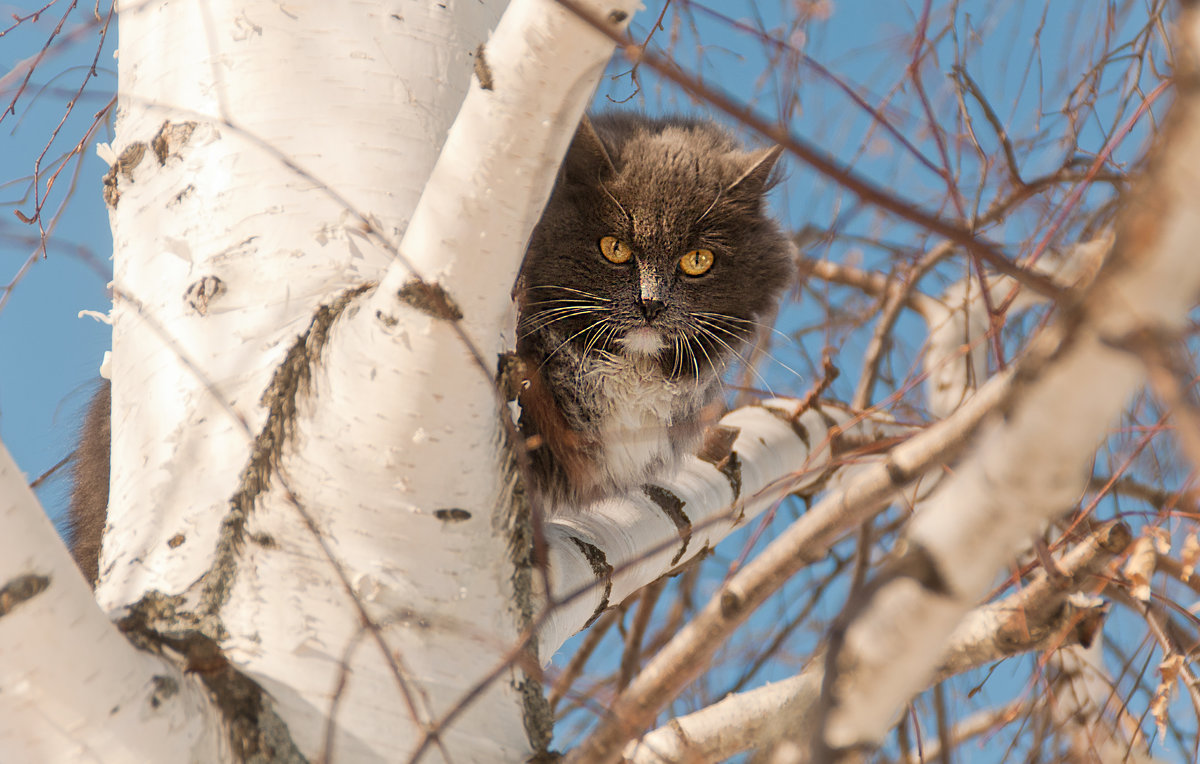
(756, 179)
(587, 159)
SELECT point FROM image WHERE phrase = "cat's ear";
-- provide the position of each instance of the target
(587, 159)
(756, 175)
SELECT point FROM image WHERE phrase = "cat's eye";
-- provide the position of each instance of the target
(697, 262)
(615, 250)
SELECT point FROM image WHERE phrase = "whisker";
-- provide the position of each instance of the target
(709, 359)
(746, 321)
(768, 354)
(710, 207)
(708, 332)
(541, 322)
(569, 309)
(613, 199)
(564, 343)
(562, 301)
(692, 355)
(612, 334)
(604, 323)
(572, 290)
(740, 337)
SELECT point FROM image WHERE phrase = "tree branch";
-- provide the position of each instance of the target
(1022, 474)
(79, 687)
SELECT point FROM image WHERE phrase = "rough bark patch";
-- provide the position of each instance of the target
(21, 589)
(514, 519)
(718, 443)
(830, 423)
(256, 733)
(264, 540)
(896, 474)
(386, 319)
(603, 572)
(165, 688)
(431, 299)
(170, 137)
(793, 422)
(672, 506)
(538, 717)
(130, 158)
(718, 451)
(731, 604)
(203, 291)
(483, 72)
(292, 380)
(920, 565)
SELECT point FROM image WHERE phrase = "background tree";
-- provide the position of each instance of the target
(937, 144)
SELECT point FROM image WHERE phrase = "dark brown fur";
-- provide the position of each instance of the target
(664, 187)
(89, 496)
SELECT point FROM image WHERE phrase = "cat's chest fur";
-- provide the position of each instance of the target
(637, 412)
(609, 422)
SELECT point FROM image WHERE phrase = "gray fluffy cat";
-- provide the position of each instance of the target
(652, 267)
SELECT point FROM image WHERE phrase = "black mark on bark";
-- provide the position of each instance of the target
(601, 570)
(430, 299)
(483, 72)
(21, 589)
(672, 507)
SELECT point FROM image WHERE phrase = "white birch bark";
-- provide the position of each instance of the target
(368, 491)
(63, 663)
(224, 246)
(1022, 473)
(601, 554)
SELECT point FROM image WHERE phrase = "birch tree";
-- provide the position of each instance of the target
(319, 547)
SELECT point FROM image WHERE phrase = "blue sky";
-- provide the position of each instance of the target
(49, 357)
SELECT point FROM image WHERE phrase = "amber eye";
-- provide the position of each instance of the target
(697, 262)
(615, 250)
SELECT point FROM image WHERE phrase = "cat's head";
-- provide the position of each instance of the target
(656, 242)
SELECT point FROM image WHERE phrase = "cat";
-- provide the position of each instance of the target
(89, 478)
(653, 265)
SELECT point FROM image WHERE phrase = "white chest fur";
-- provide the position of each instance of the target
(637, 405)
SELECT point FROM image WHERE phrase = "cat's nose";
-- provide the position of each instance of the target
(651, 308)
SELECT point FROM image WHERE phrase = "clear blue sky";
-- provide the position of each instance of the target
(48, 357)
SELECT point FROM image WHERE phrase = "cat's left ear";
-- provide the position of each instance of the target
(756, 177)
(587, 159)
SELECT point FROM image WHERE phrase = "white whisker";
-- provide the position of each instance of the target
(708, 331)
(563, 344)
(715, 324)
(542, 321)
(572, 290)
